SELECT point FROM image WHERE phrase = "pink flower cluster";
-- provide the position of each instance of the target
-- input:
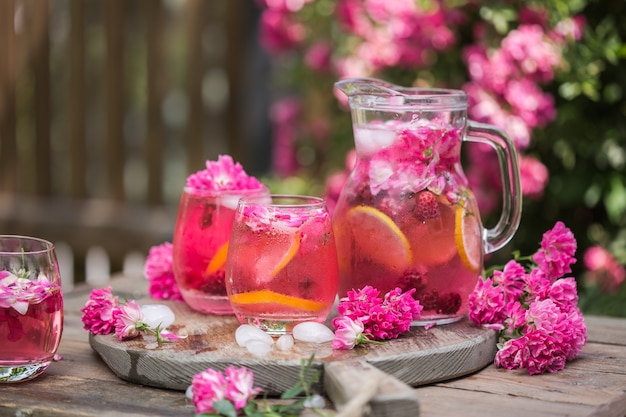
(535, 310)
(18, 293)
(235, 385)
(365, 317)
(160, 273)
(222, 175)
(103, 314)
(603, 269)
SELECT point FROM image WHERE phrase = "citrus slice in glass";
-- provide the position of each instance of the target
(218, 260)
(378, 238)
(277, 254)
(432, 240)
(268, 298)
(467, 235)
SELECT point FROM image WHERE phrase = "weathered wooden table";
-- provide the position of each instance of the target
(82, 385)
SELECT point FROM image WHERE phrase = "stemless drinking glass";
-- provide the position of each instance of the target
(281, 267)
(31, 307)
(201, 244)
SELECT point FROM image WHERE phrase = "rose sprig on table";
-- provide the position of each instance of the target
(103, 314)
(534, 306)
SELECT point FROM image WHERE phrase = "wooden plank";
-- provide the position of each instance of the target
(115, 101)
(606, 330)
(357, 388)
(418, 357)
(77, 102)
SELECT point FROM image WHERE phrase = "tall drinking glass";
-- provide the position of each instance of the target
(31, 307)
(281, 267)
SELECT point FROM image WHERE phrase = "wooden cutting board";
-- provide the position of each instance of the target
(416, 358)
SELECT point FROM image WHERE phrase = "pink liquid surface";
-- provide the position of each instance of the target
(31, 339)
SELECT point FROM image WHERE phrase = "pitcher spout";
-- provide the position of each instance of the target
(367, 86)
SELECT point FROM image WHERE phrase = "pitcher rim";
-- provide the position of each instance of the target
(375, 93)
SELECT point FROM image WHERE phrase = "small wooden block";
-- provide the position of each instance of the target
(350, 381)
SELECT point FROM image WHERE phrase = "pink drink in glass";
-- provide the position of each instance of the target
(200, 246)
(410, 238)
(282, 262)
(31, 307)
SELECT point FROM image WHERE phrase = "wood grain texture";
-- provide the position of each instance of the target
(416, 358)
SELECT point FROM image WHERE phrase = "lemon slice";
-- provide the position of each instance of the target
(468, 239)
(218, 261)
(271, 297)
(277, 255)
(378, 238)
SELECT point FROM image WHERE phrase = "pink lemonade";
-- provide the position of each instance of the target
(400, 222)
(282, 263)
(201, 244)
(30, 340)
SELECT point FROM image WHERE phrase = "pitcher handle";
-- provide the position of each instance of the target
(498, 236)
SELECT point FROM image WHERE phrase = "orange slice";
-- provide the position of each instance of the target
(378, 238)
(271, 297)
(468, 239)
(218, 261)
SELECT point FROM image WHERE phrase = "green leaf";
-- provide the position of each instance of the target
(225, 408)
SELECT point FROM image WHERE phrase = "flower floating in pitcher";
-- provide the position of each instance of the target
(103, 314)
(534, 307)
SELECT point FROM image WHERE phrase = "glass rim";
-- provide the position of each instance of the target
(47, 246)
(217, 193)
(270, 200)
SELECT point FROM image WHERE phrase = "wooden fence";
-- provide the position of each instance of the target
(105, 107)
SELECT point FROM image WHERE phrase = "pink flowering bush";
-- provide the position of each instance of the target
(534, 307)
(366, 317)
(549, 73)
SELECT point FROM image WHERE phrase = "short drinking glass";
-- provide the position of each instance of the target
(201, 244)
(31, 307)
(281, 267)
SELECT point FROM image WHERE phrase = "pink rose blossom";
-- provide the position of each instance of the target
(604, 269)
(557, 251)
(209, 386)
(128, 321)
(534, 177)
(240, 386)
(486, 305)
(222, 175)
(160, 274)
(537, 351)
(348, 333)
(99, 311)
(382, 319)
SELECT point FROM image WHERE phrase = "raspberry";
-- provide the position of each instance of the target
(214, 284)
(448, 303)
(426, 207)
(413, 278)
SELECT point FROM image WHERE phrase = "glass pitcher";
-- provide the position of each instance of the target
(406, 216)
